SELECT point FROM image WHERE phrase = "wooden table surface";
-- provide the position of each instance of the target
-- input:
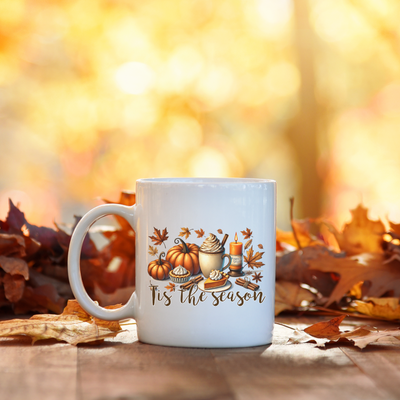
(123, 368)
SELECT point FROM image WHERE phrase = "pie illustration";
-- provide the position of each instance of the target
(211, 284)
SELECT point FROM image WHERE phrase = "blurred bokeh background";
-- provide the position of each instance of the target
(95, 94)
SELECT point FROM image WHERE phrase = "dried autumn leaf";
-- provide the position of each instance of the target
(290, 295)
(248, 244)
(294, 266)
(247, 233)
(153, 250)
(200, 233)
(386, 307)
(252, 260)
(73, 326)
(171, 287)
(14, 286)
(360, 235)
(185, 233)
(12, 245)
(14, 266)
(159, 237)
(328, 331)
(363, 267)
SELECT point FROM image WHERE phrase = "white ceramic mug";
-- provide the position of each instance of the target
(187, 310)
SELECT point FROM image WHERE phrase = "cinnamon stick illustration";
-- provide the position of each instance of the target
(188, 284)
(247, 284)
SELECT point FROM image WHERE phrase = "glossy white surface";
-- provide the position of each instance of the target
(236, 317)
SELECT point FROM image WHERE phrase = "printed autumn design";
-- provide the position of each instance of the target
(246, 233)
(253, 259)
(171, 287)
(200, 233)
(257, 277)
(185, 232)
(159, 238)
(153, 251)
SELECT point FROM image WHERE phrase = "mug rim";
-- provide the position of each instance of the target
(204, 181)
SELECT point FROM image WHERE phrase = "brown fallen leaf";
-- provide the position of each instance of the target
(14, 266)
(73, 326)
(290, 295)
(363, 267)
(294, 267)
(326, 329)
(386, 307)
(329, 332)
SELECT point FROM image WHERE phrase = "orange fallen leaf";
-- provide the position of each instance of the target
(361, 234)
(326, 329)
(386, 307)
(73, 326)
(329, 332)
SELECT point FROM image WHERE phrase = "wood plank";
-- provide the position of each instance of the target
(381, 364)
(138, 370)
(40, 371)
(301, 371)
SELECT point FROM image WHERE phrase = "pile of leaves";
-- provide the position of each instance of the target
(353, 271)
(33, 264)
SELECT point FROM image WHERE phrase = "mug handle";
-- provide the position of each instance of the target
(74, 272)
(229, 263)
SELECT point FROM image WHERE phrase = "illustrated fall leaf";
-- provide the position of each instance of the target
(220, 231)
(329, 332)
(290, 295)
(185, 232)
(257, 277)
(171, 287)
(200, 233)
(159, 238)
(153, 250)
(252, 260)
(73, 326)
(260, 246)
(247, 233)
(248, 244)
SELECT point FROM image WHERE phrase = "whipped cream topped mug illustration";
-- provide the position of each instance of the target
(184, 296)
(212, 254)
